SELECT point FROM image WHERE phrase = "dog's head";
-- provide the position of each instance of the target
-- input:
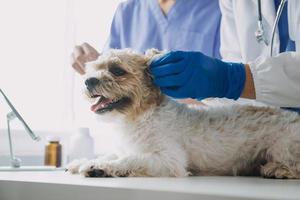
(120, 82)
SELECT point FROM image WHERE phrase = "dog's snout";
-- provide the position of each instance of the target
(91, 82)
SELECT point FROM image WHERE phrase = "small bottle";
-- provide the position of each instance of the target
(53, 151)
(81, 145)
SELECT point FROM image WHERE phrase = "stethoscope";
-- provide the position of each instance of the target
(260, 34)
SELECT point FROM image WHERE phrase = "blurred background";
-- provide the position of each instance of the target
(36, 41)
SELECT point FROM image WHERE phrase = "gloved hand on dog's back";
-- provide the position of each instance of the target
(194, 75)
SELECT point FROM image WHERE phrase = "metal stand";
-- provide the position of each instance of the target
(14, 161)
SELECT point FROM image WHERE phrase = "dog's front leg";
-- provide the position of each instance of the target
(74, 166)
(136, 165)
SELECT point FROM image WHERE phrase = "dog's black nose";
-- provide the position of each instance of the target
(91, 82)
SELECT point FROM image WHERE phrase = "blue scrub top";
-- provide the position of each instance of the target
(190, 25)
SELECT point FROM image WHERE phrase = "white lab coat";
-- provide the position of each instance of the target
(277, 79)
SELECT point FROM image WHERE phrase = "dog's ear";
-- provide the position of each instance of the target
(156, 94)
(152, 53)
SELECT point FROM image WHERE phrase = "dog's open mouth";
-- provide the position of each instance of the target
(104, 104)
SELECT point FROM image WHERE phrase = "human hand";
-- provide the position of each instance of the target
(194, 75)
(81, 55)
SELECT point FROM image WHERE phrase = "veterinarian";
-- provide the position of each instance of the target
(160, 24)
(251, 73)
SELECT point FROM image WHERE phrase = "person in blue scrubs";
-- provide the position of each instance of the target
(189, 25)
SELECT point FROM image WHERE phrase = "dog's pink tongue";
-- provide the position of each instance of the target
(100, 104)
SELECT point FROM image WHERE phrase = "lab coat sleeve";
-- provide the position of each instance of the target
(229, 48)
(277, 79)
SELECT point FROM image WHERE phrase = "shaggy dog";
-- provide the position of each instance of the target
(165, 138)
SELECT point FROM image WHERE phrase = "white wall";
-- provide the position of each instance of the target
(32, 58)
(36, 40)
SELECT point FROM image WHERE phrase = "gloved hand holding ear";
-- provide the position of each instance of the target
(194, 75)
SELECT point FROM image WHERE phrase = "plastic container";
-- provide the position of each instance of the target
(53, 152)
(81, 145)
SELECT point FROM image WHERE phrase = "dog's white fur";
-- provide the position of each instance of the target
(173, 140)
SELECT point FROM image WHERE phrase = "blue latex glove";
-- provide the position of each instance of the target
(194, 75)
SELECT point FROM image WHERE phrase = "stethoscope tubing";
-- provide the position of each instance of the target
(262, 37)
(278, 14)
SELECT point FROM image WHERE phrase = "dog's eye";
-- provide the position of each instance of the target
(117, 71)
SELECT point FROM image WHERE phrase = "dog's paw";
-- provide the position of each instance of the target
(105, 169)
(73, 167)
(277, 170)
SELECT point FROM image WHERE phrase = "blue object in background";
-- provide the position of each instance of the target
(190, 25)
